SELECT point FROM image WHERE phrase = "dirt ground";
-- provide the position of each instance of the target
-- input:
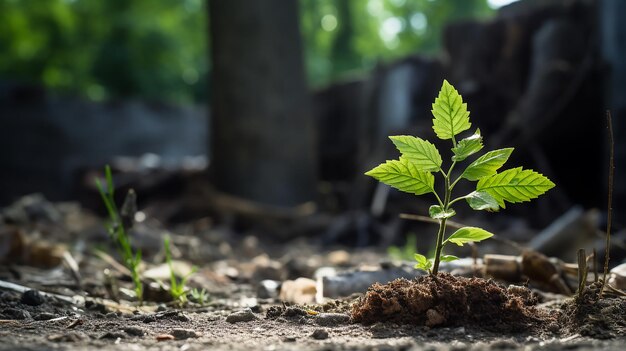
(46, 305)
(225, 325)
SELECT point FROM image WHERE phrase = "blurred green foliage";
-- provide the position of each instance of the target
(158, 49)
(154, 49)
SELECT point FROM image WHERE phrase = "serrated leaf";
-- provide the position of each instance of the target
(419, 151)
(469, 234)
(436, 212)
(487, 164)
(450, 112)
(515, 185)
(448, 258)
(481, 200)
(423, 263)
(468, 146)
(404, 176)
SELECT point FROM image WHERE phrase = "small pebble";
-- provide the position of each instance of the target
(149, 319)
(289, 339)
(319, 334)
(14, 313)
(331, 319)
(434, 318)
(32, 298)
(161, 308)
(182, 334)
(245, 315)
(135, 331)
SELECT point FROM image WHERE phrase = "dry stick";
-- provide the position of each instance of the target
(595, 266)
(458, 225)
(609, 217)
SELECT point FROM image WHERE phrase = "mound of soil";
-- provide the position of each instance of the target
(447, 300)
(590, 315)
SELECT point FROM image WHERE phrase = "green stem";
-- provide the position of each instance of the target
(457, 199)
(442, 224)
(438, 199)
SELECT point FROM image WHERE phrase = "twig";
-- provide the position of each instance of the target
(457, 225)
(609, 217)
(419, 218)
(582, 272)
(595, 266)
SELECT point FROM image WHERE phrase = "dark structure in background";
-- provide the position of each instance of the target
(263, 140)
(614, 51)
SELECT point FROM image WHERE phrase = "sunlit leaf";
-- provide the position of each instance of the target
(468, 146)
(481, 200)
(448, 258)
(468, 234)
(436, 212)
(487, 164)
(405, 176)
(423, 263)
(423, 154)
(515, 185)
(450, 113)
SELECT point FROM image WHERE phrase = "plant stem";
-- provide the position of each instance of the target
(442, 224)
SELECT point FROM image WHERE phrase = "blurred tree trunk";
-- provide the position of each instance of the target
(263, 136)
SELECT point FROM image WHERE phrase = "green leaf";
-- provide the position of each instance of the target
(422, 153)
(451, 115)
(515, 185)
(404, 176)
(487, 164)
(436, 212)
(481, 200)
(422, 262)
(468, 146)
(468, 234)
(448, 258)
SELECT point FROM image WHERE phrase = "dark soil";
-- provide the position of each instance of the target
(448, 300)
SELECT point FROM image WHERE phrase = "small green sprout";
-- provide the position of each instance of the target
(404, 252)
(200, 296)
(178, 289)
(117, 230)
(413, 173)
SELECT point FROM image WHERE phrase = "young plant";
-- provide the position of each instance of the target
(178, 289)
(117, 230)
(413, 173)
(200, 296)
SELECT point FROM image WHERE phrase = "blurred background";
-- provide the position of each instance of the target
(272, 110)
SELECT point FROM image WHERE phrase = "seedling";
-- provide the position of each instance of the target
(118, 231)
(406, 251)
(178, 289)
(200, 296)
(413, 173)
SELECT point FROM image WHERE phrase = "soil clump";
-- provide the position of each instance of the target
(447, 300)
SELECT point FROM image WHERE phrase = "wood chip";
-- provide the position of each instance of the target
(164, 337)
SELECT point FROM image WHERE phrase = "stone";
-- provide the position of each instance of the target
(32, 298)
(331, 319)
(135, 331)
(182, 334)
(319, 334)
(434, 318)
(15, 313)
(245, 315)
